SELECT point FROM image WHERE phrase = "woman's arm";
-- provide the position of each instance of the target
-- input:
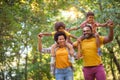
(40, 49)
(39, 43)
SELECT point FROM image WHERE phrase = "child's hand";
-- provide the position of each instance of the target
(78, 56)
(79, 39)
(40, 34)
(96, 34)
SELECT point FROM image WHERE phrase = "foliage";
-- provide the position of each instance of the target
(22, 20)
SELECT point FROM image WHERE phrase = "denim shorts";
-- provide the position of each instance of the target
(64, 74)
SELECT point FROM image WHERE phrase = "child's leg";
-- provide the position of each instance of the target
(79, 55)
(53, 53)
(71, 52)
(98, 43)
(68, 40)
(81, 38)
(54, 46)
(52, 62)
(70, 48)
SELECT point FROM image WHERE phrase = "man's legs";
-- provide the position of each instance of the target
(100, 74)
(92, 73)
(88, 74)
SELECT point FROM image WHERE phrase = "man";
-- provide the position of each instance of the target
(93, 67)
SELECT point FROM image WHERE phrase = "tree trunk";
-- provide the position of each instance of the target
(26, 67)
(118, 41)
(112, 69)
(115, 60)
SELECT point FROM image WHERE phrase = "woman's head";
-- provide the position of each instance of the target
(60, 37)
(59, 26)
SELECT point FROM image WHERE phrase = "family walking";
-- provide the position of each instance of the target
(88, 45)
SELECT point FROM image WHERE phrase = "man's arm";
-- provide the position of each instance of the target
(109, 38)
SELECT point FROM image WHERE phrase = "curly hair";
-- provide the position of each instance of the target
(58, 25)
(89, 14)
(59, 33)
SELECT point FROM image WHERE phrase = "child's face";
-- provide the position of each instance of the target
(90, 19)
(61, 29)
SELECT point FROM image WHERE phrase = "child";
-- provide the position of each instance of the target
(59, 26)
(90, 21)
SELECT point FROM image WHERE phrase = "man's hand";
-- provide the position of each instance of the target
(110, 23)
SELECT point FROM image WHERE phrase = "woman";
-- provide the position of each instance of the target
(63, 66)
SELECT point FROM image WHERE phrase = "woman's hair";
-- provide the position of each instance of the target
(89, 14)
(59, 33)
(58, 25)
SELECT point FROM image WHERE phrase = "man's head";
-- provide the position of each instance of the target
(87, 31)
(90, 17)
(60, 38)
(59, 26)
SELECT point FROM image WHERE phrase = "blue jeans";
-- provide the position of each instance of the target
(64, 74)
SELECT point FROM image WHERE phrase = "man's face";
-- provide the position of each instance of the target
(87, 32)
(90, 19)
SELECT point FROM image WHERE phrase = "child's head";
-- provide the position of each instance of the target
(90, 17)
(59, 26)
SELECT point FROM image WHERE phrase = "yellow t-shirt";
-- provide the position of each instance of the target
(62, 60)
(67, 33)
(89, 52)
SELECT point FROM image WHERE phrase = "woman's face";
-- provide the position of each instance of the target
(61, 40)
